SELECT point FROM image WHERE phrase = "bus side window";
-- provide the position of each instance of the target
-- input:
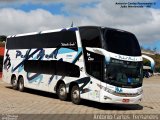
(44, 40)
(52, 67)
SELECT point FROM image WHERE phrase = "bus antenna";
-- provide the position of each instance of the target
(72, 24)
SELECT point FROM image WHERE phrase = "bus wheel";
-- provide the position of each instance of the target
(75, 95)
(62, 93)
(14, 83)
(21, 84)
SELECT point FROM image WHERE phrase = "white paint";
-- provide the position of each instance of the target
(151, 61)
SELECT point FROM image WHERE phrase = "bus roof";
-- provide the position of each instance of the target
(56, 30)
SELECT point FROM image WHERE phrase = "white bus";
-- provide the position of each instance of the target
(88, 62)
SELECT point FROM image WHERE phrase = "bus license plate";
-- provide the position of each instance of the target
(125, 100)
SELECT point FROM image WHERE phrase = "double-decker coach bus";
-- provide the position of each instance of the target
(88, 62)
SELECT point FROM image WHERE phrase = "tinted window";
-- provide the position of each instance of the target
(52, 67)
(123, 43)
(90, 37)
(46, 40)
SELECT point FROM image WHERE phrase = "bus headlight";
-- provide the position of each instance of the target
(139, 92)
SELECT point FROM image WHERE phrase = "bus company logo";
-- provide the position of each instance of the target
(68, 44)
(121, 57)
(118, 90)
(40, 54)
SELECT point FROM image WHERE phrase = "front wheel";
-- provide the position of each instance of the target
(75, 95)
(62, 92)
(21, 84)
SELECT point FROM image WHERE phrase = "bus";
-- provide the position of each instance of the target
(88, 62)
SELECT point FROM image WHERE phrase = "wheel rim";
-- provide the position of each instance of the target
(14, 83)
(62, 91)
(75, 94)
(20, 85)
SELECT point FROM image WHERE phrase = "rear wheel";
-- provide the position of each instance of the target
(21, 84)
(75, 95)
(14, 83)
(62, 92)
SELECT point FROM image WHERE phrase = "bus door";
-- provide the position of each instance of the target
(90, 38)
(94, 67)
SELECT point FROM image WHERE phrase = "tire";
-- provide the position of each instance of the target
(75, 95)
(14, 83)
(62, 92)
(21, 84)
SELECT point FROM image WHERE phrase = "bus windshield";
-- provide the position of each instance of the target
(124, 73)
(120, 42)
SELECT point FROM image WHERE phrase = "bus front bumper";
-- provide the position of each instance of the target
(109, 98)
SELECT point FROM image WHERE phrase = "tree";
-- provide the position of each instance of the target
(146, 62)
(2, 38)
(154, 49)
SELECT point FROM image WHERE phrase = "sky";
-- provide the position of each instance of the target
(23, 16)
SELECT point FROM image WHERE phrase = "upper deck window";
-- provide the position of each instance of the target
(65, 39)
(123, 43)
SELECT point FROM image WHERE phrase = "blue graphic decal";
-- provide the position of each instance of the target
(7, 61)
(79, 53)
(20, 68)
(83, 81)
(129, 80)
(41, 54)
(51, 78)
(34, 77)
(65, 50)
